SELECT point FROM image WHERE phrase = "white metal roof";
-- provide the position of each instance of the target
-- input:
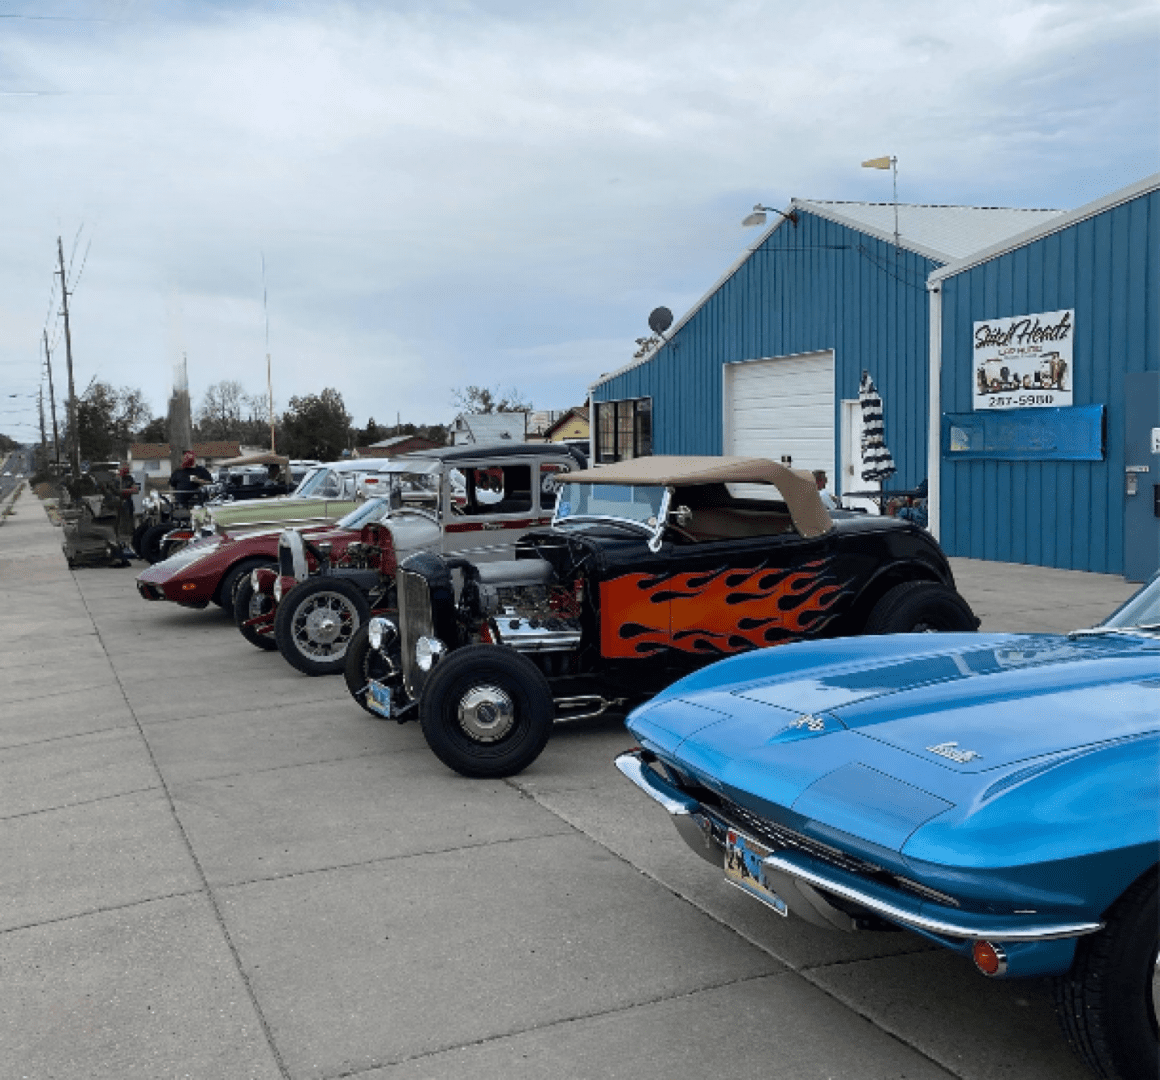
(941, 233)
(488, 427)
(1046, 228)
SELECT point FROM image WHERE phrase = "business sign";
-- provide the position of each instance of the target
(1024, 362)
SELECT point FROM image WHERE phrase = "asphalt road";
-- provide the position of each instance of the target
(17, 465)
(218, 867)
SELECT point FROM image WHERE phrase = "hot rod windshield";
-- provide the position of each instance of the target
(371, 510)
(634, 503)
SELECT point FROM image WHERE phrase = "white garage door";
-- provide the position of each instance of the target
(780, 406)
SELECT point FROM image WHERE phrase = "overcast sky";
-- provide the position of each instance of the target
(495, 192)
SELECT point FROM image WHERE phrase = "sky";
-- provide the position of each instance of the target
(446, 192)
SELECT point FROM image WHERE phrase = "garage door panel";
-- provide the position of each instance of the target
(780, 406)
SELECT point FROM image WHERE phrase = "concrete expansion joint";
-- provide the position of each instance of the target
(791, 969)
(206, 889)
(80, 802)
(889, 1032)
(383, 860)
(127, 906)
(186, 717)
(210, 778)
(64, 738)
(594, 1014)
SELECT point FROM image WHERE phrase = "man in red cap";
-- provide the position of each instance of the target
(189, 477)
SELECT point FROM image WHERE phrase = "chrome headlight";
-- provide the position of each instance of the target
(428, 651)
(278, 588)
(381, 632)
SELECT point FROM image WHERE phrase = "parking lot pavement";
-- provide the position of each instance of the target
(218, 867)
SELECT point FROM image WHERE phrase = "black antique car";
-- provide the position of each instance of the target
(651, 568)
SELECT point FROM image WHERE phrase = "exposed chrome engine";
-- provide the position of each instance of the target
(525, 609)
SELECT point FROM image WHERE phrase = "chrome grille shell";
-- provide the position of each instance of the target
(415, 621)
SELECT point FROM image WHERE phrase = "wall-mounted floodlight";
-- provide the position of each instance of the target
(759, 212)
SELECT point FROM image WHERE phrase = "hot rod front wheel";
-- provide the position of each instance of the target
(316, 621)
(486, 711)
(363, 664)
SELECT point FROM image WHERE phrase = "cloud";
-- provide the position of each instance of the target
(448, 193)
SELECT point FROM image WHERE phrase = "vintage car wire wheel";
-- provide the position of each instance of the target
(486, 711)
(151, 541)
(316, 621)
(249, 604)
(1107, 1003)
(917, 607)
(364, 663)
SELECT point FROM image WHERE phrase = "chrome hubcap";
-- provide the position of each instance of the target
(324, 625)
(486, 713)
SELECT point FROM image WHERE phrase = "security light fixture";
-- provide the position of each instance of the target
(759, 212)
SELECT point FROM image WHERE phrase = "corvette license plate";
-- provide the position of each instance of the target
(379, 698)
(743, 868)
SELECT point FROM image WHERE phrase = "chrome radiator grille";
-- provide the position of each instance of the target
(415, 621)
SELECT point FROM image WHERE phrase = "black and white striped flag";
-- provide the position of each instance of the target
(877, 464)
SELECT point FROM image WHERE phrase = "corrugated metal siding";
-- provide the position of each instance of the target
(1063, 514)
(819, 286)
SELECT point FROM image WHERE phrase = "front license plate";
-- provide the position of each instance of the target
(743, 868)
(379, 698)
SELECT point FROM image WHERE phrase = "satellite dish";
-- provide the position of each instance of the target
(659, 320)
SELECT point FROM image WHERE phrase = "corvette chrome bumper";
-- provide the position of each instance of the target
(805, 882)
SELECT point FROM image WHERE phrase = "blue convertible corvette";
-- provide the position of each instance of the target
(997, 793)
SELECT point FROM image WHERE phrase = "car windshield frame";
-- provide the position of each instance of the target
(309, 482)
(373, 510)
(652, 526)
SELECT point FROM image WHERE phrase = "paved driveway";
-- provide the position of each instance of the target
(218, 867)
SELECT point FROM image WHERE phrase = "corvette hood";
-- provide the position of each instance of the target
(969, 703)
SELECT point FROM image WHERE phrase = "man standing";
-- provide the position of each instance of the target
(189, 478)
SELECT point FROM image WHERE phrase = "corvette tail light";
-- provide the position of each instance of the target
(989, 959)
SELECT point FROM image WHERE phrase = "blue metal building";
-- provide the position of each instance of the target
(769, 361)
(1045, 420)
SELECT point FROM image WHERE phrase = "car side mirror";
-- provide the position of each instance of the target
(681, 516)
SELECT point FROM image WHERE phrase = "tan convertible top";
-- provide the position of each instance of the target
(266, 458)
(797, 487)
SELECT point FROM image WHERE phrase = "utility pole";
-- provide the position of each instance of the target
(52, 402)
(74, 440)
(43, 437)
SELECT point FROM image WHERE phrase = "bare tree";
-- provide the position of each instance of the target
(488, 399)
(222, 411)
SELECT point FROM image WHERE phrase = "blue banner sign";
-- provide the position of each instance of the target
(1072, 434)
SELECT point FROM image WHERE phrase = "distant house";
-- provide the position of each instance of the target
(400, 444)
(570, 426)
(153, 458)
(488, 427)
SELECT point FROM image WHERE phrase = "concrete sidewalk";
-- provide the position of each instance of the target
(216, 867)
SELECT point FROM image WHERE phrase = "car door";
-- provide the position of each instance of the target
(729, 596)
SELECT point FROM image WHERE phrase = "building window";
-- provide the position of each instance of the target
(624, 429)
(153, 465)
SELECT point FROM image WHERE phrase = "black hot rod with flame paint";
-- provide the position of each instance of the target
(651, 568)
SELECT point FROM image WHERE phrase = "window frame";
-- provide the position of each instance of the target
(624, 429)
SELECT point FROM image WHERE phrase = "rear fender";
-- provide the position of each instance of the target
(879, 585)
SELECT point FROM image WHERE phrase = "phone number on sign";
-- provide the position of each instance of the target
(1012, 401)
